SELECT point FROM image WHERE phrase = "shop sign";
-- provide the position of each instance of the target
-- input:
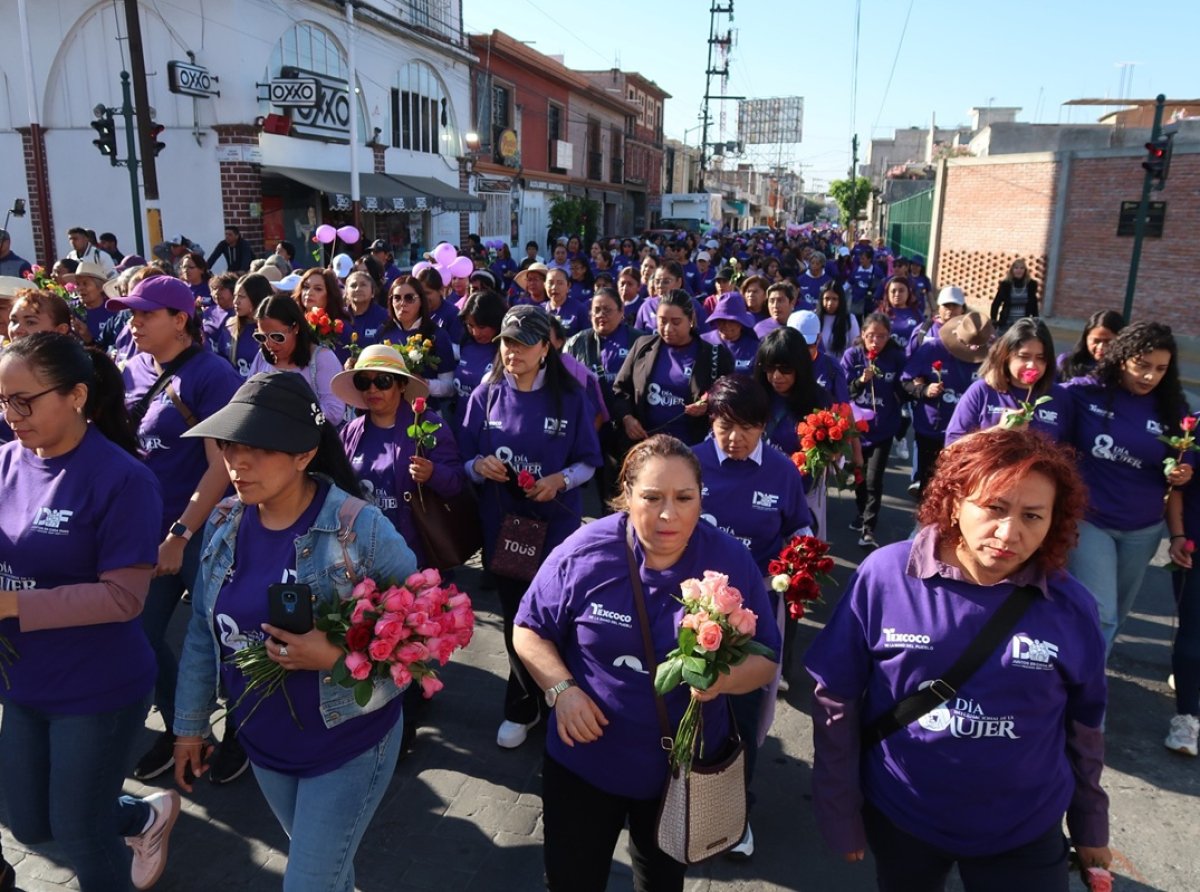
(187, 79)
(328, 118)
(289, 92)
(545, 186)
(491, 186)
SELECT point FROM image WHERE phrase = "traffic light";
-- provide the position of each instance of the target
(1158, 159)
(106, 136)
(156, 130)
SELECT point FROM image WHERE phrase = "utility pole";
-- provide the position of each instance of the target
(131, 149)
(713, 40)
(853, 221)
(1139, 226)
(146, 140)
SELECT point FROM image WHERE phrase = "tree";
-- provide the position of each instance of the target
(570, 215)
(846, 193)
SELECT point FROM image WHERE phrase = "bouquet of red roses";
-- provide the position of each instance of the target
(392, 632)
(716, 633)
(802, 567)
(826, 442)
(328, 332)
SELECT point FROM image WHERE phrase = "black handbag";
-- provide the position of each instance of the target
(933, 694)
(520, 547)
(450, 530)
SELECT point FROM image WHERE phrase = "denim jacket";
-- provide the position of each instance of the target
(374, 548)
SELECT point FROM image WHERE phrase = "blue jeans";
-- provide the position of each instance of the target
(62, 777)
(1112, 564)
(161, 601)
(326, 816)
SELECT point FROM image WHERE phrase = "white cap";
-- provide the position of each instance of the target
(951, 295)
(807, 323)
(712, 243)
(287, 284)
(342, 265)
(704, 255)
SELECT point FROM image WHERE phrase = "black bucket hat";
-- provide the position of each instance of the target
(272, 410)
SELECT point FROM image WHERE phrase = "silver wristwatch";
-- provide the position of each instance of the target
(552, 693)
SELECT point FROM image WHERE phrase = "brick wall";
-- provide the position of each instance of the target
(992, 214)
(43, 238)
(1095, 261)
(241, 185)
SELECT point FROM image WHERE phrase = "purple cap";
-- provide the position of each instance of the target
(157, 293)
(129, 261)
(731, 307)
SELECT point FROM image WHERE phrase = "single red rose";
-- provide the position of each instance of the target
(526, 481)
(937, 365)
(820, 435)
(358, 637)
(1188, 423)
(776, 567)
(825, 565)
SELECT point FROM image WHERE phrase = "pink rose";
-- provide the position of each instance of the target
(416, 618)
(430, 685)
(364, 589)
(361, 609)
(358, 665)
(428, 629)
(1188, 423)
(744, 621)
(412, 652)
(70, 287)
(463, 636)
(400, 674)
(445, 649)
(381, 649)
(389, 626)
(418, 405)
(690, 621)
(1098, 879)
(691, 590)
(726, 599)
(709, 636)
(397, 600)
(423, 579)
(457, 599)
(1029, 377)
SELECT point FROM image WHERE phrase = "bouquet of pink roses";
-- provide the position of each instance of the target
(716, 633)
(396, 631)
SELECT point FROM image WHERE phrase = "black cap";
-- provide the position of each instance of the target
(725, 274)
(272, 410)
(379, 245)
(527, 324)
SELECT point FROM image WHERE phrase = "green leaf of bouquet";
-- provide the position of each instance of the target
(1170, 464)
(697, 665)
(362, 692)
(339, 673)
(1042, 399)
(759, 649)
(412, 432)
(700, 681)
(687, 640)
(668, 676)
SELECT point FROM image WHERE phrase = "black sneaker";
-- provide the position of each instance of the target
(159, 758)
(867, 540)
(229, 761)
(857, 524)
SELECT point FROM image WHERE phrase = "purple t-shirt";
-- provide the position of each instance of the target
(809, 288)
(369, 325)
(830, 376)
(573, 314)
(613, 350)
(988, 771)
(581, 601)
(205, 383)
(904, 321)
(212, 322)
(669, 390)
(744, 349)
(885, 393)
(765, 327)
(526, 429)
(270, 736)
(1115, 435)
(982, 407)
(475, 362)
(374, 461)
(446, 317)
(65, 521)
(96, 317)
(931, 416)
(757, 504)
(647, 315)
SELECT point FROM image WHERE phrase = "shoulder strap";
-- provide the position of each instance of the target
(937, 692)
(347, 515)
(181, 406)
(139, 409)
(639, 600)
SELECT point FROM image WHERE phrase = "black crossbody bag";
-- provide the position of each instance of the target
(934, 694)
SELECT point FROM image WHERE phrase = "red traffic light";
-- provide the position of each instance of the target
(1156, 151)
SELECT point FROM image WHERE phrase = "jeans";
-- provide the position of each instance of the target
(868, 495)
(161, 600)
(1111, 564)
(904, 863)
(582, 823)
(524, 702)
(62, 777)
(326, 816)
(1185, 656)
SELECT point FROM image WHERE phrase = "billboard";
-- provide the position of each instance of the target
(778, 120)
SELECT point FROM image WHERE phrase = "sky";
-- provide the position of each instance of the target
(916, 59)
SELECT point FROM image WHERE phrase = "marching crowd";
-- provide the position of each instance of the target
(338, 402)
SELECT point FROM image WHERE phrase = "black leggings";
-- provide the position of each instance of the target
(582, 823)
(868, 495)
(523, 699)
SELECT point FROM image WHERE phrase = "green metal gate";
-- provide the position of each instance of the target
(908, 224)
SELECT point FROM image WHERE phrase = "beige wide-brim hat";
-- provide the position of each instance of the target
(376, 358)
(523, 276)
(10, 285)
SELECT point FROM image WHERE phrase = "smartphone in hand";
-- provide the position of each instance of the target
(290, 606)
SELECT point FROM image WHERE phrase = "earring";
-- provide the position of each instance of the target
(542, 363)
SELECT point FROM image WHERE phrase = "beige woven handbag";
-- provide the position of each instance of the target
(703, 810)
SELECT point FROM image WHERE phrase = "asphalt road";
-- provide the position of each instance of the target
(462, 814)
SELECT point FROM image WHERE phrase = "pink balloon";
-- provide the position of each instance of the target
(419, 268)
(349, 234)
(461, 268)
(325, 234)
(444, 254)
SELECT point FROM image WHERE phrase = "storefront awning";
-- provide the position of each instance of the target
(737, 208)
(439, 194)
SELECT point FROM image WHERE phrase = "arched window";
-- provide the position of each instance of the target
(422, 116)
(306, 50)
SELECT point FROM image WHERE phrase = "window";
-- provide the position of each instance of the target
(616, 156)
(554, 132)
(595, 156)
(422, 119)
(501, 103)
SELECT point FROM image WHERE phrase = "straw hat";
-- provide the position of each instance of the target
(376, 358)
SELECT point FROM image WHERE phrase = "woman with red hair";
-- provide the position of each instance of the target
(982, 776)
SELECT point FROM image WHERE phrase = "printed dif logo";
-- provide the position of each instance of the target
(554, 427)
(52, 520)
(1030, 653)
(764, 500)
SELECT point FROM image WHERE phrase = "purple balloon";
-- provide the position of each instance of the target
(444, 254)
(325, 234)
(349, 234)
(419, 268)
(461, 268)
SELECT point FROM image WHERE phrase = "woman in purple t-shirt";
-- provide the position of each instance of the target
(579, 633)
(1132, 399)
(237, 343)
(899, 303)
(79, 540)
(981, 778)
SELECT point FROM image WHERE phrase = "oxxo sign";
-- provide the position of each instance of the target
(328, 115)
(187, 79)
(292, 92)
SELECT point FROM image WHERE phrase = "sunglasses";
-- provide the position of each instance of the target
(277, 337)
(382, 381)
(408, 298)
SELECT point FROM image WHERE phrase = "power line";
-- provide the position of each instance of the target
(895, 59)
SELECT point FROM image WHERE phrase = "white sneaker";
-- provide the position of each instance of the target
(744, 849)
(512, 734)
(1183, 734)
(902, 450)
(150, 846)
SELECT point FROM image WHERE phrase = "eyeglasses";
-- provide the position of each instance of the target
(604, 311)
(277, 337)
(22, 405)
(382, 381)
(406, 298)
